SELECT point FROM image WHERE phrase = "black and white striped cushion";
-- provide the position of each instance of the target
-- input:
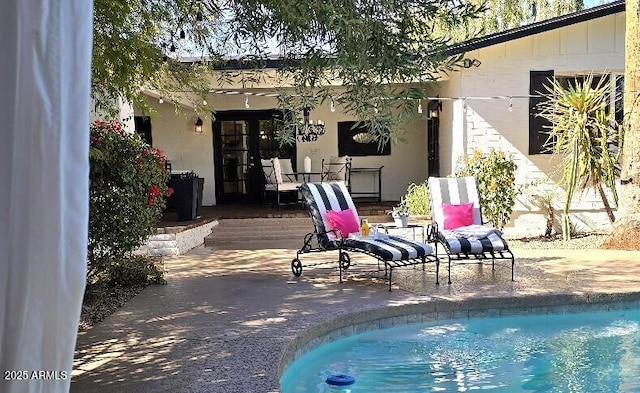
(455, 191)
(390, 248)
(468, 245)
(322, 197)
(459, 190)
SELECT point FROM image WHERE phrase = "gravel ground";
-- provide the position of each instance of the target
(577, 242)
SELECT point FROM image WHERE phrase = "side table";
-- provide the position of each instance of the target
(412, 227)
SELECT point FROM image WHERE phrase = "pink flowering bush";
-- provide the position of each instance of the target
(128, 183)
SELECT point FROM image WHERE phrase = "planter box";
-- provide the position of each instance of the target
(187, 197)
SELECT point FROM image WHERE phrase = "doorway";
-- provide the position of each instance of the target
(241, 139)
(433, 146)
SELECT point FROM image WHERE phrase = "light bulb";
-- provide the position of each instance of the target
(246, 102)
(161, 100)
(333, 106)
(204, 102)
(419, 106)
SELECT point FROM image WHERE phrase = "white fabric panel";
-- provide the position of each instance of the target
(267, 169)
(277, 170)
(44, 120)
(287, 168)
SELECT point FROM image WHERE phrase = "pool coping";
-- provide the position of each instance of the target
(441, 309)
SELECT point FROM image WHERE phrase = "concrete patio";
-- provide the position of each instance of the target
(229, 320)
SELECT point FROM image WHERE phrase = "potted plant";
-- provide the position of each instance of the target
(400, 214)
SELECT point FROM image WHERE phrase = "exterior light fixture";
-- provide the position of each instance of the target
(434, 107)
(468, 63)
(307, 131)
(198, 128)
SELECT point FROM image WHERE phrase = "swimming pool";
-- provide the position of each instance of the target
(583, 352)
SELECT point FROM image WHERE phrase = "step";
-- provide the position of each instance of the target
(271, 222)
(276, 232)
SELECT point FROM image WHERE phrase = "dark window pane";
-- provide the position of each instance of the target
(348, 146)
(538, 125)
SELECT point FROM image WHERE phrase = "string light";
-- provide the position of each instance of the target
(333, 106)
(161, 100)
(419, 106)
(246, 101)
(204, 102)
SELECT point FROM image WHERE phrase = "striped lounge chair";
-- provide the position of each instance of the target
(457, 223)
(392, 251)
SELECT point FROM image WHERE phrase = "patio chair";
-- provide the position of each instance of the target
(274, 182)
(337, 169)
(336, 228)
(457, 223)
(286, 168)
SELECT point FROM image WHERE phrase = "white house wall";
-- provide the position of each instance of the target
(174, 135)
(186, 150)
(407, 162)
(596, 45)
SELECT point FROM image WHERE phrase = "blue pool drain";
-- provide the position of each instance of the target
(340, 380)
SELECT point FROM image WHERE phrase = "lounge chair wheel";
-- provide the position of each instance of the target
(296, 267)
(345, 261)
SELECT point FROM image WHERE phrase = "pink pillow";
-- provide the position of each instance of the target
(344, 221)
(456, 216)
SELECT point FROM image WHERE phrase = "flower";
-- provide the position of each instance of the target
(154, 191)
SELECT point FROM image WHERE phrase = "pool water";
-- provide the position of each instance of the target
(584, 352)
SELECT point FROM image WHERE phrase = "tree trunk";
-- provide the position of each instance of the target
(605, 202)
(626, 233)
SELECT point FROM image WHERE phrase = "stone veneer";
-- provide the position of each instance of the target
(443, 310)
(176, 240)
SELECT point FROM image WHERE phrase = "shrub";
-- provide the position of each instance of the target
(417, 199)
(495, 176)
(133, 271)
(128, 182)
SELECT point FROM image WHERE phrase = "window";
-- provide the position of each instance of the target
(143, 128)
(538, 126)
(357, 141)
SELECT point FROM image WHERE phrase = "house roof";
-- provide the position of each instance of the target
(539, 27)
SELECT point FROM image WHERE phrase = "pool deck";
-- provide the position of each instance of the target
(228, 320)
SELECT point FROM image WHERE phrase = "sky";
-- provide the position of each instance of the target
(591, 3)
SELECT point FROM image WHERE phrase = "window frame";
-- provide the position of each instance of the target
(536, 133)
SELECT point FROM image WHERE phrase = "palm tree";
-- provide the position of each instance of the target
(584, 131)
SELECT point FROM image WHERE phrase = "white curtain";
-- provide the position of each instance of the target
(44, 138)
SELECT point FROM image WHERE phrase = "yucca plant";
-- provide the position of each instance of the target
(585, 132)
